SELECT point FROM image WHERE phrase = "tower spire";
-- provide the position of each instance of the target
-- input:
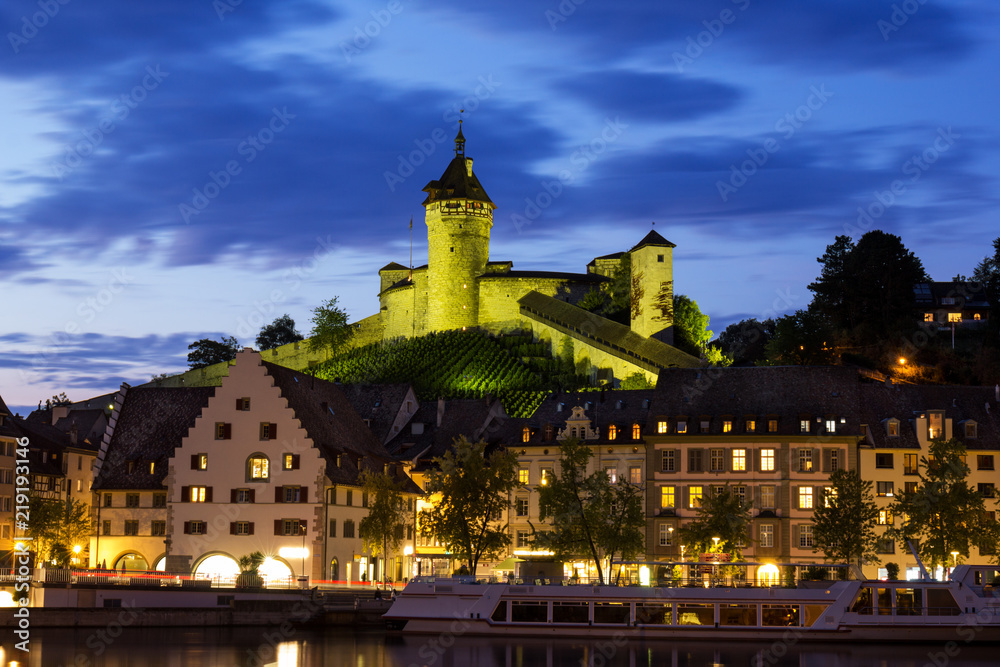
(460, 139)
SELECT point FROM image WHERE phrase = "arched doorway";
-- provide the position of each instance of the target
(767, 575)
(217, 567)
(334, 569)
(275, 572)
(131, 562)
(160, 565)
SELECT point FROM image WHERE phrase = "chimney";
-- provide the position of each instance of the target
(996, 393)
(440, 412)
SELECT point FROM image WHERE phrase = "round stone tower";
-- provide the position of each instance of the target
(459, 216)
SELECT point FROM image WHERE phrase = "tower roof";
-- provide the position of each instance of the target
(458, 180)
(653, 239)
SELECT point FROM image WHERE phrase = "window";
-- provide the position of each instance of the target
(547, 475)
(522, 539)
(727, 425)
(751, 425)
(831, 425)
(348, 528)
(667, 462)
(612, 473)
(682, 426)
(803, 426)
(152, 467)
(612, 432)
(243, 404)
(292, 494)
(885, 546)
(364, 499)
(739, 460)
(242, 528)
(289, 461)
(223, 431)
(910, 462)
(199, 462)
(885, 517)
(290, 526)
(740, 492)
(667, 498)
(767, 497)
(258, 468)
(131, 500)
(892, 428)
(970, 429)
(805, 497)
(526, 434)
(767, 535)
(332, 532)
(984, 461)
(705, 424)
(772, 425)
(829, 493)
(131, 527)
(694, 460)
(805, 459)
(716, 460)
(659, 258)
(666, 535)
(884, 489)
(694, 497)
(194, 527)
(986, 489)
(909, 487)
(521, 506)
(107, 500)
(523, 476)
(158, 528)
(635, 475)
(106, 527)
(636, 432)
(661, 427)
(954, 317)
(349, 501)
(928, 317)
(805, 537)
(268, 431)
(834, 460)
(197, 494)
(767, 460)
(883, 460)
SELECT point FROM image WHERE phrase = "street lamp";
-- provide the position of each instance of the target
(715, 557)
(954, 559)
(305, 580)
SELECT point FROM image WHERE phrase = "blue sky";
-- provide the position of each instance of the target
(181, 170)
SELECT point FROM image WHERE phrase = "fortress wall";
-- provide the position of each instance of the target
(498, 297)
(404, 310)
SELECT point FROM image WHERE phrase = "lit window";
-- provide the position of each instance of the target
(767, 460)
(199, 462)
(885, 518)
(547, 476)
(751, 426)
(767, 535)
(805, 460)
(954, 317)
(523, 476)
(667, 498)
(805, 497)
(289, 462)
(197, 494)
(928, 317)
(772, 425)
(612, 432)
(831, 425)
(739, 460)
(727, 426)
(694, 497)
(803, 426)
(258, 468)
(661, 427)
(884, 489)
(612, 473)
(526, 434)
(829, 494)
(636, 432)
(635, 475)
(682, 427)
(892, 428)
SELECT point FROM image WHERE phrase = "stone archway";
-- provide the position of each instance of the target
(130, 561)
(334, 569)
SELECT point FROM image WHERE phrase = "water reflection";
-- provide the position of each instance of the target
(341, 647)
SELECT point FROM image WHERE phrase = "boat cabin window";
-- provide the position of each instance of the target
(885, 602)
(570, 612)
(863, 603)
(611, 612)
(941, 603)
(654, 614)
(695, 614)
(528, 611)
(779, 615)
(737, 614)
(500, 613)
(909, 601)
(987, 577)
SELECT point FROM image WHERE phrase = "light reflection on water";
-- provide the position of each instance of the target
(341, 647)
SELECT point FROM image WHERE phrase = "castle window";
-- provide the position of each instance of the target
(659, 258)
(453, 248)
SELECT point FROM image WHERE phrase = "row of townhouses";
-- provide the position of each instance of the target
(191, 479)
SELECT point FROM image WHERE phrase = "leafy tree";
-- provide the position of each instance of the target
(944, 512)
(589, 515)
(637, 380)
(382, 530)
(279, 332)
(57, 526)
(724, 515)
(844, 520)
(331, 329)
(594, 301)
(802, 338)
(207, 352)
(987, 274)
(745, 342)
(470, 489)
(57, 400)
(690, 326)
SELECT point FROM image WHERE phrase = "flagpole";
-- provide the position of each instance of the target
(411, 249)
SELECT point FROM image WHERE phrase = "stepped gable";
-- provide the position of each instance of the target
(334, 427)
(788, 393)
(653, 239)
(880, 402)
(151, 425)
(378, 403)
(622, 408)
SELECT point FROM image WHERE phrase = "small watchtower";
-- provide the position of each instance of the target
(652, 294)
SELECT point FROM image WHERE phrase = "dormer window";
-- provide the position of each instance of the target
(831, 426)
(636, 431)
(751, 425)
(705, 425)
(612, 432)
(803, 426)
(970, 429)
(892, 428)
(526, 434)
(682, 426)
(727, 425)
(935, 425)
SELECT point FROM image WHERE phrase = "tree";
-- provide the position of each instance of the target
(944, 512)
(833, 290)
(724, 515)
(381, 531)
(57, 526)
(331, 330)
(987, 274)
(279, 332)
(844, 520)
(471, 489)
(745, 342)
(637, 380)
(691, 333)
(589, 515)
(802, 338)
(207, 352)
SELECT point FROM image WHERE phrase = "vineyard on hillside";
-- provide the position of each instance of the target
(460, 364)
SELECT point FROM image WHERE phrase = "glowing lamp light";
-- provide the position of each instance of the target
(293, 552)
(902, 361)
(644, 575)
(408, 550)
(77, 549)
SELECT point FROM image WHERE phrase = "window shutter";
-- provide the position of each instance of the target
(251, 528)
(795, 497)
(185, 494)
(816, 454)
(227, 431)
(277, 526)
(208, 494)
(303, 494)
(253, 495)
(194, 462)
(685, 497)
(187, 527)
(295, 461)
(826, 460)
(232, 527)
(232, 495)
(239, 403)
(279, 495)
(273, 431)
(793, 461)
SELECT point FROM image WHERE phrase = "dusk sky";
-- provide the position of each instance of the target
(179, 170)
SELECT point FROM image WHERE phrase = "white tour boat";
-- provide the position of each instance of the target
(963, 609)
